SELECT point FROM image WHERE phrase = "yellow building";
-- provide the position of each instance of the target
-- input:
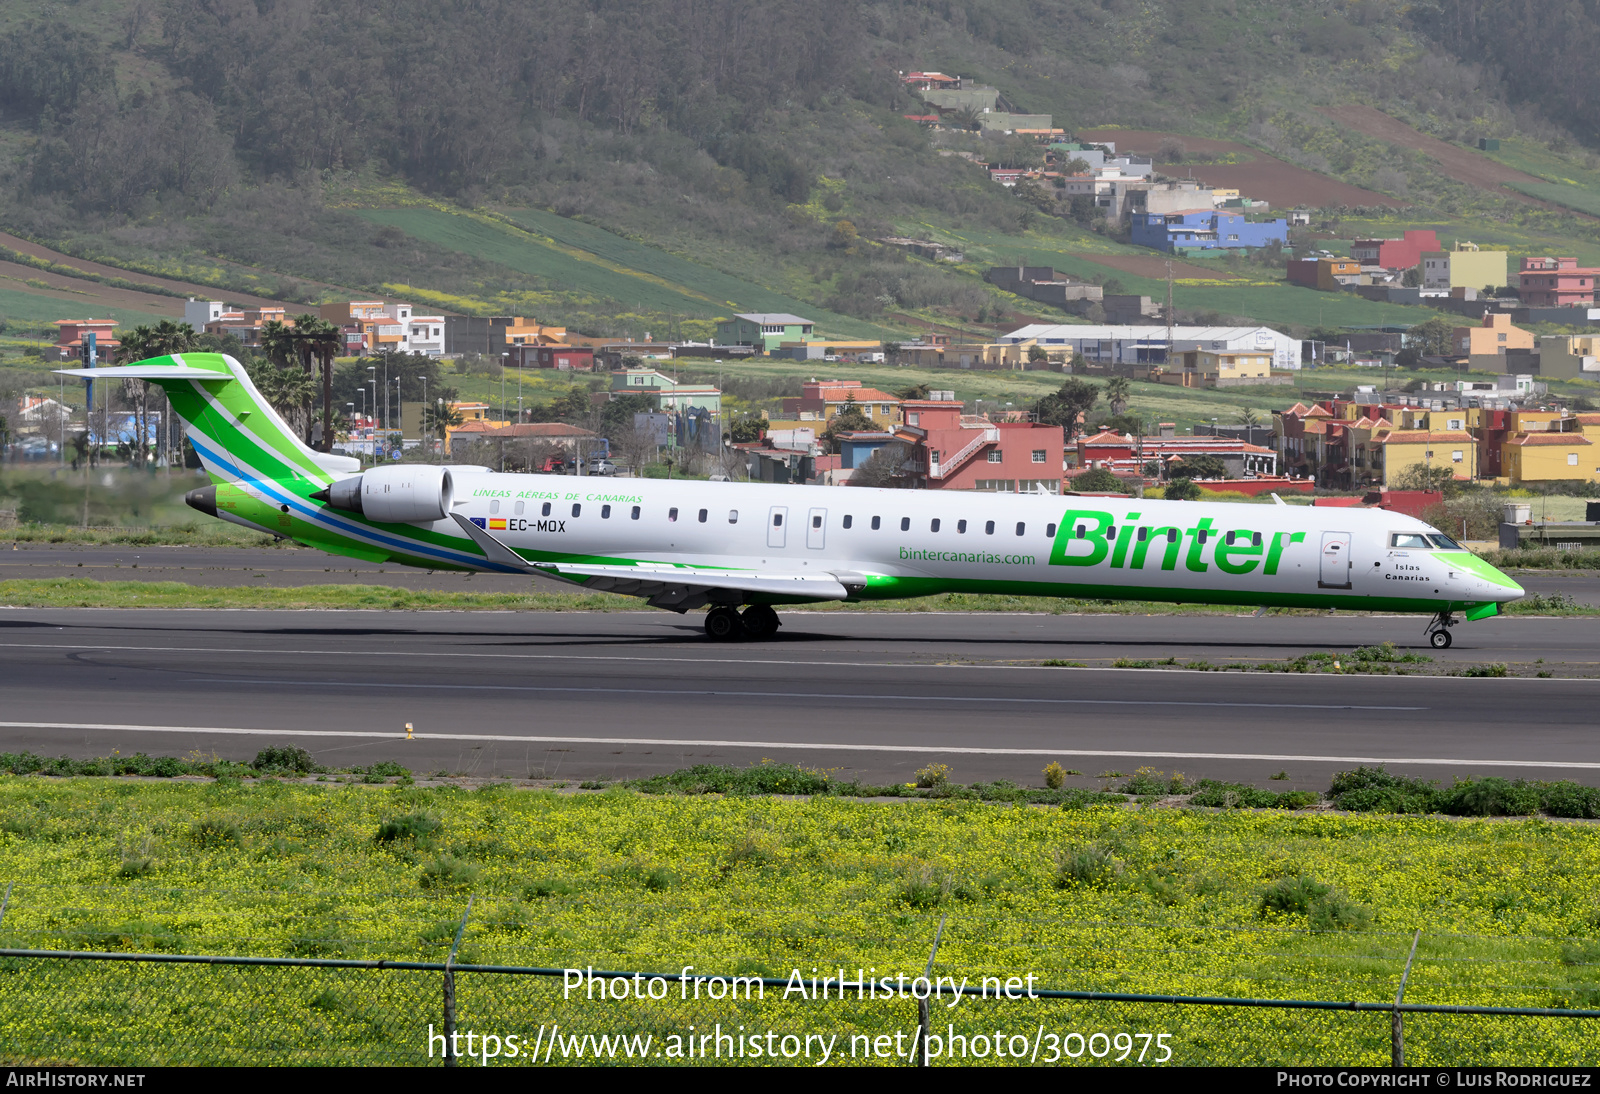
(1494, 335)
(530, 332)
(1400, 449)
(1466, 267)
(1203, 368)
(1543, 457)
(1569, 357)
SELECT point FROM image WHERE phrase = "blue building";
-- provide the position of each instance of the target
(1205, 230)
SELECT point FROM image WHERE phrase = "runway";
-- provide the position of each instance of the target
(589, 695)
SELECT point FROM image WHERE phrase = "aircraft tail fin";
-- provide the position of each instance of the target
(234, 429)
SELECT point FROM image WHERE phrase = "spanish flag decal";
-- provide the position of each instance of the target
(497, 522)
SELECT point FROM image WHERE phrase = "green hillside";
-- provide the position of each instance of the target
(717, 163)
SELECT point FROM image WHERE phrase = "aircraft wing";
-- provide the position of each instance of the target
(676, 587)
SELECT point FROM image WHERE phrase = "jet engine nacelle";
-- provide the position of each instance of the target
(398, 494)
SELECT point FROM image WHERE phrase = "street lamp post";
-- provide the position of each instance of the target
(423, 425)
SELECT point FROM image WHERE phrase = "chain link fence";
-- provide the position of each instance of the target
(483, 987)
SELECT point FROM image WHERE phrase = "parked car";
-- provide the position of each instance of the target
(602, 467)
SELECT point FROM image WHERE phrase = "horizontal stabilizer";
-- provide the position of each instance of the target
(145, 372)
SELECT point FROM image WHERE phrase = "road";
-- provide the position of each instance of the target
(609, 695)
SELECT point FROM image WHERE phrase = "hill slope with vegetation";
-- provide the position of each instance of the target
(297, 148)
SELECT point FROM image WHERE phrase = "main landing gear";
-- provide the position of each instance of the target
(1438, 632)
(728, 624)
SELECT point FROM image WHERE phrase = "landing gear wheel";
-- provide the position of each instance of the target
(760, 622)
(1439, 640)
(723, 624)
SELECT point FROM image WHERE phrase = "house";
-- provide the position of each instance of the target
(1569, 357)
(1557, 283)
(1107, 186)
(1205, 230)
(1146, 345)
(1044, 284)
(565, 358)
(421, 333)
(1125, 454)
(670, 394)
(766, 331)
(822, 399)
(72, 333)
(1401, 449)
(1205, 368)
(1395, 254)
(953, 451)
(199, 313)
(1486, 344)
(1164, 197)
(930, 81)
(1466, 266)
(1326, 274)
(1547, 456)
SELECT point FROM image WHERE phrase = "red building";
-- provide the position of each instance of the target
(1557, 283)
(565, 358)
(955, 451)
(72, 332)
(1396, 254)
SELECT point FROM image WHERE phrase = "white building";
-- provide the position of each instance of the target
(198, 313)
(425, 334)
(1148, 345)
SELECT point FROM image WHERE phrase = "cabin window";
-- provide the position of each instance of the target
(961, 526)
(905, 524)
(733, 516)
(1083, 531)
(672, 514)
(1111, 532)
(494, 506)
(576, 509)
(1255, 539)
(816, 520)
(988, 527)
(848, 520)
(704, 513)
(1172, 535)
(1021, 527)
(1144, 534)
(1230, 539)
(635, 512)
(1202, 535)
(519, 507)
(777, 520)
(933, 525)
(877, 522)
(605, 512)
(545, 512)
(1050, 531)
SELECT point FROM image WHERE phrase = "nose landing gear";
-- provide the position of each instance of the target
(1438, 632)
(725, 623)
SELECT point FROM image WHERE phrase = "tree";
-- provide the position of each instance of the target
(847, 419)
(1421, 476)
(1412, 278)
(1431, 338)
(1037, 354)
(1067, 405)
(439, 416)
(1131, 424)
(885, 468)
(1098, 481)
(1248, 417)
(748, 428)
(1118, 391)
(321, 340)
(1182, 490)
(916, 391)
(289, 390)
(1200, 466)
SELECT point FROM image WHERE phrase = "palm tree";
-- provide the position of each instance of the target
(1118, 392)
(277, 342)
(289, 390)
(317, 338)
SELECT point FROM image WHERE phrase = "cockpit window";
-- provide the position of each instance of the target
(1410, 540)
(1445, 543)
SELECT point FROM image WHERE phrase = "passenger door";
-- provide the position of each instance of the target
(776, 532)
(816, 529)
(1336, 563)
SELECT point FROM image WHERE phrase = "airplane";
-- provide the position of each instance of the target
(743, 550)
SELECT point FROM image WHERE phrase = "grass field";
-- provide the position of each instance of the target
(1163, 901)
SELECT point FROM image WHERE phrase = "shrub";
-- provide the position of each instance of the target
(213, 833)
(1337, 912)
(1054, 775)
(1491, 671)
(1568, 799)
(1375, 790)
(550, 886)
(1219, 795)
(420, 828)
(135, 867)
(1293, 895)
(1491, 797)
(448, 873)
(285, 758)
(923, 885)
(933, 775)
(1145, 781)
(1093, 865)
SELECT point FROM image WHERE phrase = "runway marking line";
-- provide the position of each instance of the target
(491, 655)
(803, 746)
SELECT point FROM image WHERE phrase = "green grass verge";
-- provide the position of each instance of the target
(208, 534)
(1231, 902)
